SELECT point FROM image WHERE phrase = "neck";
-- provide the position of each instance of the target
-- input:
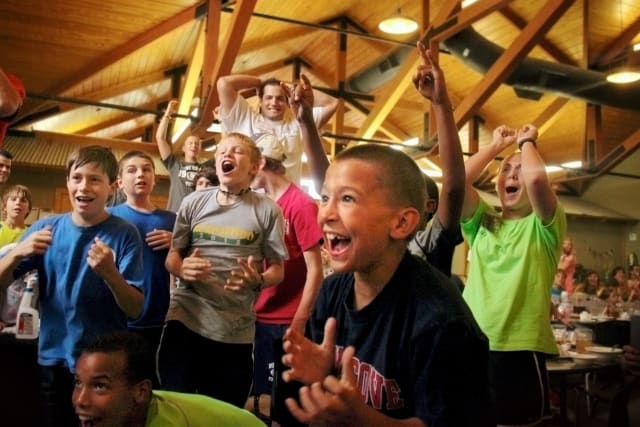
(276, 186)
(141, 204)
(14, 223)
(227, 197)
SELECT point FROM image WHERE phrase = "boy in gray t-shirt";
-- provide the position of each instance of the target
(228, 243)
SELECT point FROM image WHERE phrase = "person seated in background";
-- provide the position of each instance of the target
(205, 178)
(16, 205)
(591, 284)
(618, 282)
(236, 115)
(389, 332)
(113, 387)
(634, 282)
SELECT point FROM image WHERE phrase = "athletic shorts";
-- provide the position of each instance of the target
(519, 387)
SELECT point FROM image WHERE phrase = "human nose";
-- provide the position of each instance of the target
(80, 397)
(326, 212)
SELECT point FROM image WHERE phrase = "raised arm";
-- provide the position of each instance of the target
(430, 82)
(328, 103)
(543, 199)
(301, 99)
(10, 99)
(502, 138)
(229, 86)
(164, 146)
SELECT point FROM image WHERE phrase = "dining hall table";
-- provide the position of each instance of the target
(562, 369)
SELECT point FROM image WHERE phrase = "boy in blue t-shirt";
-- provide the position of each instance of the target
(136, 179)
(89, 264)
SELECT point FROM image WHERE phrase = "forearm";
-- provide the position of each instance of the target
(312, 144)
(129, 298)
(8, 263)
(274, 273)
(452, 164)
(542, 197)
(173, 263)
(164, 147)
(311, 288)
(479, 161)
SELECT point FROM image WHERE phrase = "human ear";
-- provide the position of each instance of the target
(142, 391)
(407, 219)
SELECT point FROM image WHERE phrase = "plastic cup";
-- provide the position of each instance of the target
(584, 338)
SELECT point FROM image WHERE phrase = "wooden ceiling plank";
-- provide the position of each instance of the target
(285, 36)
(65, 138)
(550, 115)
(619, 44)
(267, 68)
(464, 18)
(399, 84)
(127, 48)
(224, 62)
(546, 17)
(191, 80)
(548, 46)
(212, 30)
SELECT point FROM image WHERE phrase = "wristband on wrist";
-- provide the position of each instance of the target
(522, 142)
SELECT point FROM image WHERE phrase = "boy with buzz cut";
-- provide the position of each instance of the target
(228, 244)
(136, 179)
(16, 205)
(406, 345)
(123, 365)
(89, 266)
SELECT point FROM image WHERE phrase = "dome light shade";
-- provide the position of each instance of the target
(398, 24)
(623, 76)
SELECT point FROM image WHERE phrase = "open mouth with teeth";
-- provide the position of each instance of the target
(337, 243)
(227, 166)
(84, 199)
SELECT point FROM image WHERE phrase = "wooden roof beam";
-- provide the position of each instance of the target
(618, 45)
(128, 48)
(224, 62)
(550, 115)
(439, 28)
(546, 17)
(548, 46)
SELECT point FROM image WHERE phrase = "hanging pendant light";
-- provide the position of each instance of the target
(624, 73)
(398, 24)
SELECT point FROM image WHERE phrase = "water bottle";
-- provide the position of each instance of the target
(28, 319)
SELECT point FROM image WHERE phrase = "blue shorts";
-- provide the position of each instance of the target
(263, 361)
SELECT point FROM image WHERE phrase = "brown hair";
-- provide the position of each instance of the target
(19, 191)
(102, 156)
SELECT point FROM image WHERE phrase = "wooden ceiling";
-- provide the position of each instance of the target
(102, 69)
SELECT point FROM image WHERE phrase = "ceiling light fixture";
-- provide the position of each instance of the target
(398, 24)
(623, 74)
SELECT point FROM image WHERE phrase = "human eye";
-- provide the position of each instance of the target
(347, 198)
(324, 199)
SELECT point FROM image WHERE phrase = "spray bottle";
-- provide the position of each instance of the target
(28, 320)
